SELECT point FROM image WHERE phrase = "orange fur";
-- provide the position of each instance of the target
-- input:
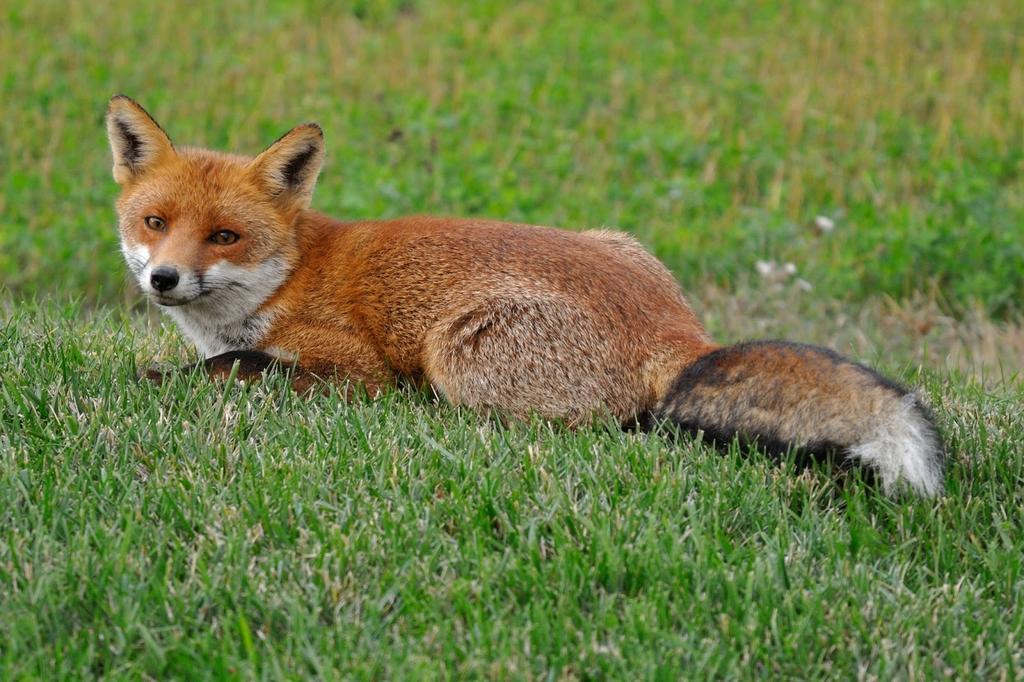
(490, 314)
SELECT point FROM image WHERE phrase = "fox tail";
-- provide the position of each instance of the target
(781, 396)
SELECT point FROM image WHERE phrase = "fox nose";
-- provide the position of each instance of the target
(164, 278)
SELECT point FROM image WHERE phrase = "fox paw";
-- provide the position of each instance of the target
(154, 375)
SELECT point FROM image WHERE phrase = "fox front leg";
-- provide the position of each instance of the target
(248, 365)
(251, 364)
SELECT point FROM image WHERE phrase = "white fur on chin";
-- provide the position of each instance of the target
(227, 315)
(219, 310)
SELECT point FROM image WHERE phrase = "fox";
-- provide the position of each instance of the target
(515, 319)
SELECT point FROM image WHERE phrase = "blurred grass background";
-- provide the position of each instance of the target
(716, 132)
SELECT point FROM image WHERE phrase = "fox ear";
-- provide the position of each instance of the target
(289, 167)
(136, 140)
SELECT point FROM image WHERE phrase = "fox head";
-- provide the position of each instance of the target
(206, 231)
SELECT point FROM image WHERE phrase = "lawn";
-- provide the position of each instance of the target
(205, 530)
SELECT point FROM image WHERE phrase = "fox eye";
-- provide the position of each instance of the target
(224, 237)
(155, 223)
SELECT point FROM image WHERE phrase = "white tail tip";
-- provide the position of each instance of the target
(904, 450)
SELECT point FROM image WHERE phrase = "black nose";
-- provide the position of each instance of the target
(164, 278)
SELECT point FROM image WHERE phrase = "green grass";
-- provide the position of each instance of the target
(203, 530)
(716, 132)
(208, 530)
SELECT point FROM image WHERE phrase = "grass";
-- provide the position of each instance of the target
(716, 132)
(202, 530)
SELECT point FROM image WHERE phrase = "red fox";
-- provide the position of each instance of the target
(515, 318)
